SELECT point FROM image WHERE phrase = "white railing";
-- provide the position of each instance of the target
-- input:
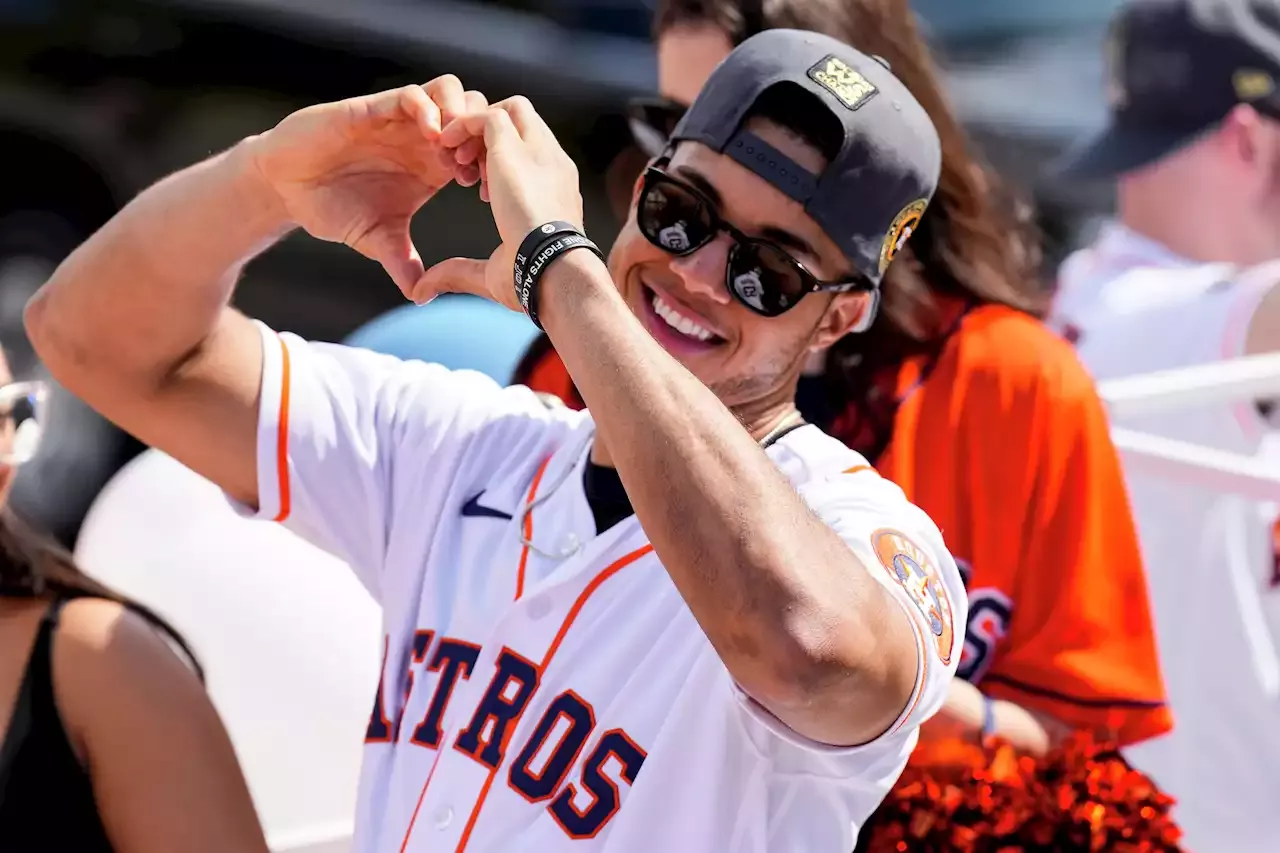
(1250, 378)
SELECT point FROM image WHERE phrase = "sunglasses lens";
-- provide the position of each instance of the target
(765, 279)
(672, 218)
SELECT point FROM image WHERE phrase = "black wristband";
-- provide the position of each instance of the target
(529, 246)
(530, 267)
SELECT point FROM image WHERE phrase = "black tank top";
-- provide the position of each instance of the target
(46, 798)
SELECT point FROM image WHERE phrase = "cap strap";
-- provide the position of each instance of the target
(772, 165)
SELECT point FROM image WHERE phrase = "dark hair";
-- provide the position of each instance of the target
(793, 108)
(34, 566)
(976, 244)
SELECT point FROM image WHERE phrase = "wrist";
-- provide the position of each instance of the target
(569, 285)
(989, 725)
(259, 199)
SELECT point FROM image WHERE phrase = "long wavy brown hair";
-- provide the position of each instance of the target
(977, 243)
(34, 566)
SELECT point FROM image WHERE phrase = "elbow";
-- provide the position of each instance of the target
(858, 664)
(38, 322)
(61, 351)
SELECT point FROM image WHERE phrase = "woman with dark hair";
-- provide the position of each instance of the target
(963, 398)
(109, 742)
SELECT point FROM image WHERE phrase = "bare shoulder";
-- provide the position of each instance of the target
(1013, 352)
(105, 628)
(108, 658)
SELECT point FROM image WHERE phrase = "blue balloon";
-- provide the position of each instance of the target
(457, 331)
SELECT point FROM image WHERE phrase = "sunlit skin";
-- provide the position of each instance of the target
(687, 55)
(753, 362)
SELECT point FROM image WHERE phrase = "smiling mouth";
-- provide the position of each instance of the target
(675, 324)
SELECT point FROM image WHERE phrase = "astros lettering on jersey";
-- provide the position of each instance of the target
(545, 688)
(1133, 306)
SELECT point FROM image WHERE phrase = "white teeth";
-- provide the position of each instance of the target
(681, 324)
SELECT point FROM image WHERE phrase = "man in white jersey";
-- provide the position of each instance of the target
(1186, 276)
(749, 669)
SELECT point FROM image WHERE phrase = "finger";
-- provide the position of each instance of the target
(469, 151)
(468, 175)
(525, 118)
(415, 102)
(393, 248)
(494, 125)
(476, 101)
(393, 105)
(449, 96)
(483, 164)
(455, 275)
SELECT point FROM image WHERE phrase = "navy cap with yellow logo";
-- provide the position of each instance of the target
(1175, 69)
(873, 193)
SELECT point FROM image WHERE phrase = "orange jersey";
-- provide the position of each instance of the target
(1006, 446)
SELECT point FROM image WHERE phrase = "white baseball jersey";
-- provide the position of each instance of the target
(546, 688)
(1134, 307)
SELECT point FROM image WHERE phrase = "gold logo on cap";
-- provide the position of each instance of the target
(907, 220)
(835, 75)
(1251, 84)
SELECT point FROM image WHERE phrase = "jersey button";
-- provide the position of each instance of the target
(571, 544)
(443, 817)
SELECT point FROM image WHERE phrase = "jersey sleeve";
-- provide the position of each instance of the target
(904, 552)
(1080, 645)
(347, 438)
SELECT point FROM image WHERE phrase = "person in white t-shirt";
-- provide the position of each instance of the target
(680, 620)
(1186, 275)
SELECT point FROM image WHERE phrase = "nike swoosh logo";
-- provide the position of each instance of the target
(474, 508)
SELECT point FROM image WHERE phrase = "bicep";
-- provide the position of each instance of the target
(905, 587)
(204, 413)
(162, 766)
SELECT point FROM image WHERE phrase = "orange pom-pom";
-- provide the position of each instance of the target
(1083, 796)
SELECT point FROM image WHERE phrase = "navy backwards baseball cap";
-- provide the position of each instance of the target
(873, 193)
(1175, 68)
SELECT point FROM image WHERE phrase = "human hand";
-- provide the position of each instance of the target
(356, 171)
(528, 180)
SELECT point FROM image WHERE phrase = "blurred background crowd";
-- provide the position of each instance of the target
(100, 98)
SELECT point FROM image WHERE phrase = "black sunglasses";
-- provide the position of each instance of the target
(679, 219)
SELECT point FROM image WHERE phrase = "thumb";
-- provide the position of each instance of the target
(455, 275)
(394, 249)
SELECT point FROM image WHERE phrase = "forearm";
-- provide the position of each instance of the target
(777, 592)
(145, 290)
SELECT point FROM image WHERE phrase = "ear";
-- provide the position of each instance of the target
(1243, 133)
(844, 312)
(637, 186)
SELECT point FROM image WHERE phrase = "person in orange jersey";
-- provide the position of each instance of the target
(962, 397)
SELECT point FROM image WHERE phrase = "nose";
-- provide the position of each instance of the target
(702, 271)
